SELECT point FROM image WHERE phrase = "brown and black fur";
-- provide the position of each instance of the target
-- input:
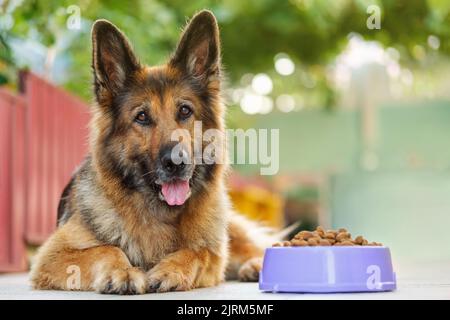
(111, 223)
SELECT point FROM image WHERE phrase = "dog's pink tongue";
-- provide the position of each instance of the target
(175, 192)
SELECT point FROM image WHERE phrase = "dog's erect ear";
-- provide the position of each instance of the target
(198, 51)
(113, 59)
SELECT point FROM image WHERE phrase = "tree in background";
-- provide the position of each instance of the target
(311, 33)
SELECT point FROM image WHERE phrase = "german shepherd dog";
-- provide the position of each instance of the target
(132, 220)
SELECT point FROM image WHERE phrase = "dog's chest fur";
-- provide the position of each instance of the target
(145, 238)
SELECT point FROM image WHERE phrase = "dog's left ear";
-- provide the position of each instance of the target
(198, 52)
(113, 60)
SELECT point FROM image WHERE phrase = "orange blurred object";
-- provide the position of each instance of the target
(258, 204)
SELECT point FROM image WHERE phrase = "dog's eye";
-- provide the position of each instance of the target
(142, 118)
(184, 112)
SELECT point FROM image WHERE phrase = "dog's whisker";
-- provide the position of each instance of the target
(147, 173)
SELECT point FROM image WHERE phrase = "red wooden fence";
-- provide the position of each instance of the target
(57, 133)
(43, 137)
(12, 181)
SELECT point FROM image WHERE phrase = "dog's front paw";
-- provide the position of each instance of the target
(121, 281)
(163, 278)
(249, 271)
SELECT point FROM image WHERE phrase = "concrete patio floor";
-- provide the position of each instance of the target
(415, 281)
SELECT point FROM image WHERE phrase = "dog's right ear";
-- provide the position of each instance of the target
(198, 51)
(113, 60)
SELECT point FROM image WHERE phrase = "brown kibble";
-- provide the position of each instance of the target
(277, 244)
(343, 236)
(299, 235)
(320, 237)
(307, 235)
(299, 243)
(330, 235)
(359, 240)
(321, 231)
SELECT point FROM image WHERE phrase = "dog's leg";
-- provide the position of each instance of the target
(186, 269)
(73, 260)
(247, 244)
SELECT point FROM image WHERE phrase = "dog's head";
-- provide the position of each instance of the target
(139, 108)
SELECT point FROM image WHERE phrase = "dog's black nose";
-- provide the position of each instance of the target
(173, 161)
(170, 166)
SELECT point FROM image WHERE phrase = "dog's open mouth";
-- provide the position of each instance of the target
(175, 193)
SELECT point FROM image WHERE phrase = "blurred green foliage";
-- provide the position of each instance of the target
(312, 32)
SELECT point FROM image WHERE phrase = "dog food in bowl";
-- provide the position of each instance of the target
(327, 261)
(322, 237)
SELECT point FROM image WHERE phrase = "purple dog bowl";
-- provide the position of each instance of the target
(327, 269)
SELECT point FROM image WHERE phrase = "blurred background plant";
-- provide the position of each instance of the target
(363, 113)
(292, 45)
